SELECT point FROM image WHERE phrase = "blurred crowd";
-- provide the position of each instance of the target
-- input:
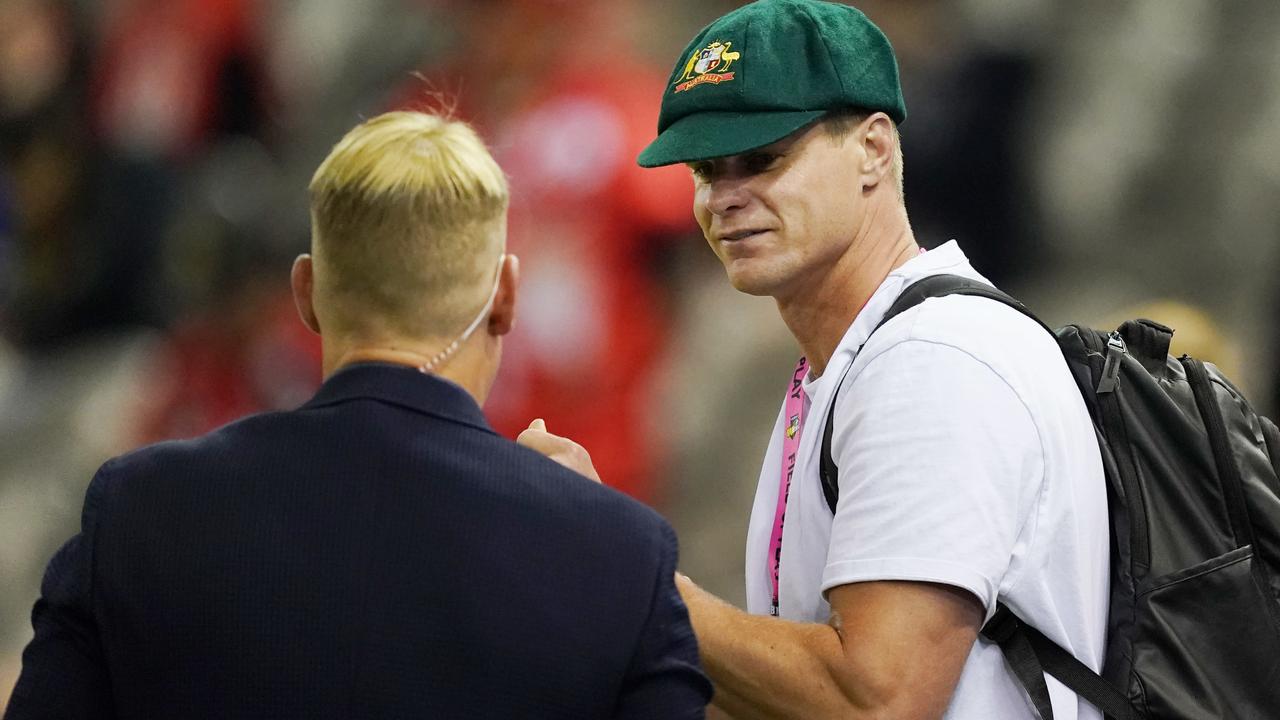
(1096, 158)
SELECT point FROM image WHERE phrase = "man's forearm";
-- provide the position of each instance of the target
(765, 667)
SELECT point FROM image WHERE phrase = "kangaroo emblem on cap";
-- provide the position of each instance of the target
(698, 69)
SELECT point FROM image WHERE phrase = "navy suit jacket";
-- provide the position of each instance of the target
(379, 552)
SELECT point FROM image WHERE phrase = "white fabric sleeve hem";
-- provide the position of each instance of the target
(845, 572)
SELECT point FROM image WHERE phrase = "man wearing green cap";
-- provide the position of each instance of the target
(968, 469)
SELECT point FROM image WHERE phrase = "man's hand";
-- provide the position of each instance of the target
(563, 450)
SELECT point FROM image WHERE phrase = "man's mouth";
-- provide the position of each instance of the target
(740, 234)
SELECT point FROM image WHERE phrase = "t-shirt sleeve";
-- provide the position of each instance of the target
(940, 470)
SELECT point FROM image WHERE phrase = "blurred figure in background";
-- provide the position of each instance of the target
(958, 72)
(46, 157)
(162, 82)
(569, 111)
(245, 354)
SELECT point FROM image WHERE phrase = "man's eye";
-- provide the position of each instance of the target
(759, 162)
(701, 171)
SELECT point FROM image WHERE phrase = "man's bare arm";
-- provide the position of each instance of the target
(891, 650)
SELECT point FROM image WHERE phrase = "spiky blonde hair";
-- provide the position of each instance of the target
(408, 217)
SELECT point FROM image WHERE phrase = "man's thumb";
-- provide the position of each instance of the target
(538, 424)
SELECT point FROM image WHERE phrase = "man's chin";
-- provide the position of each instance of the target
(751, 283)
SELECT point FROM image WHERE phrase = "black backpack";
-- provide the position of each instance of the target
(1194, 496)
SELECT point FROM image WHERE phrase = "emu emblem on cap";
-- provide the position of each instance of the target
(708, 65)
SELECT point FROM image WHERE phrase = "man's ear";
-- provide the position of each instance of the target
(302, 281)
(502, 318)
(878, 149)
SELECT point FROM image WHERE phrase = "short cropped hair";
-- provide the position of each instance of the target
(408, 217)
(839, 123)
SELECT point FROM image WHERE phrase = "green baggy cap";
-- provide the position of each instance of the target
(768, 69)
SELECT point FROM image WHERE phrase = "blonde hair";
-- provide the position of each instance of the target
(408, 217)
(839, 123)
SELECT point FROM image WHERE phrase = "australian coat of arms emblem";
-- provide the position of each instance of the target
(708, 65)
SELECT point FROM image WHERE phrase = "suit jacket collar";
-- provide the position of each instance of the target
(403, 386)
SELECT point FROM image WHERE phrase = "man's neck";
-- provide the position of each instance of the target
(466, 367)
(822, 309)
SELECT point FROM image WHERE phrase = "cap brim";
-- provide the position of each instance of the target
(706, 135)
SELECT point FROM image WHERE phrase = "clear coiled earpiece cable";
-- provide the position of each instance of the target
(448, 352)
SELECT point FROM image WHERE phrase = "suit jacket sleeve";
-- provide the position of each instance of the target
(665, 679)
(64, 672)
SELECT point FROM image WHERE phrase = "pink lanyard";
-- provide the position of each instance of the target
(795, 406)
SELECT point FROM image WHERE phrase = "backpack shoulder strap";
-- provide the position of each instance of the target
(1030, 654)
(914, 294)
(943, 285)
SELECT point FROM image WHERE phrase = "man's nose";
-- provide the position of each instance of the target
(724, 195)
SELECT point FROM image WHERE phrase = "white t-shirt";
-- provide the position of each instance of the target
(966, 456)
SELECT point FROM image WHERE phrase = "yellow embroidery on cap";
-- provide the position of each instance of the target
(708, 65)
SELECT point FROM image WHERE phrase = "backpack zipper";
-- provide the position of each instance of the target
(1126, 464)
